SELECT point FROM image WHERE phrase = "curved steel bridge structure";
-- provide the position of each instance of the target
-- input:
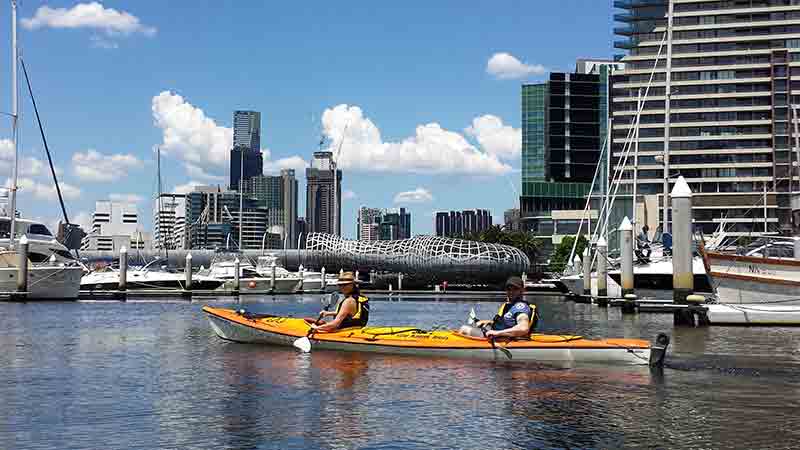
(422, 257)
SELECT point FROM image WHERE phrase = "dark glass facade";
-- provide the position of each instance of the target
(564, 123)
(253, 165)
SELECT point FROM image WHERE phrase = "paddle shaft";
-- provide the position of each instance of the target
(505, 351)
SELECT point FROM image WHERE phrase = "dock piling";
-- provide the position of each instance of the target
(602, 272)
(587, 271)
(187, 271)
(123, 269)
(626, 248)
(272, 278)
(682, 274)
(22, 274)
(400, 281)
(797, 248)
(301, 270)
(324, 281)
(236, 276)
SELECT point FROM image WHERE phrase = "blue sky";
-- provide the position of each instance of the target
(428, 127)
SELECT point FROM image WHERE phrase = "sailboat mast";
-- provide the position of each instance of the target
(164, 242)
(636, 160)
(241, 196)
(667, 94)
(14, 118)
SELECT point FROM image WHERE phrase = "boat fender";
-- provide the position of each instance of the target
(658, 351)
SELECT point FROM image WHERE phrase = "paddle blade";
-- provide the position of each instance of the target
(304, 344)
(473, 318)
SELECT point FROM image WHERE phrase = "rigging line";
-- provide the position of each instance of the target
(47, 150)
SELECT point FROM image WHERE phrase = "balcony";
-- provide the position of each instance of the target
(628, 4)
(624, 31)
(632, 18)
(626, 44)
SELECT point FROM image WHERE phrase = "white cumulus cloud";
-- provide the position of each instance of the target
(432, 149)
(504, 141)
(88, 15)
(198, 172)
(28, 166)
(293, 162)
(418, 195)
(186, 188)
(189, 134)
(505, 66)
(95, 166)
(126, 198)
(197, 140)
(348, 194)
(44, 191)
(84, 219)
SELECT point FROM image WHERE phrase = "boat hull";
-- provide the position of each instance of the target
(232, 326)
(753, 280)
(757, 314)
(45, 283)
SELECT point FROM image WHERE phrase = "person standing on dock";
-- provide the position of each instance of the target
(352, 311)
(516, 318)
(643, 241)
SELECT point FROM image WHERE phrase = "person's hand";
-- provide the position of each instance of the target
(491, 333)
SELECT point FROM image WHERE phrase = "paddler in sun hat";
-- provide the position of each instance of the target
(516, 318)
(351, 311)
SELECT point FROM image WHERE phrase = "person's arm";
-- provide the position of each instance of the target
(348, 308)
(324, 313)
(521, 329)
(483, 323)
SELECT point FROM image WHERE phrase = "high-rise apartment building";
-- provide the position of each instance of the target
(169, 221)
(719, 110)
(279, 195)
(115, 225)
(395, 224)
(247, 129)
(462, 223)
(246, 159)
(212, 218)
(564, 128)
(368, 224)
(323, 195)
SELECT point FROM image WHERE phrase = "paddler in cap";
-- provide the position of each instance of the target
(352, 311)
(516, 318)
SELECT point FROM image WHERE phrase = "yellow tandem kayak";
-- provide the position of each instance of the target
(240, 326)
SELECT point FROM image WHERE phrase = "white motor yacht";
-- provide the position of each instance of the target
(145, 279)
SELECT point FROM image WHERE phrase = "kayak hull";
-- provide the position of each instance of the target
(283, 331)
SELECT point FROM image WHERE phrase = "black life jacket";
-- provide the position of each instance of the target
(361, 316)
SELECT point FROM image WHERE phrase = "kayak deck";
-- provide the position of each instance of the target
(243, 327)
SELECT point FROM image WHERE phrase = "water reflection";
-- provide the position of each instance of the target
(118, 375)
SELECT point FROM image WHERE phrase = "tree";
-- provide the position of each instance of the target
(560, 256)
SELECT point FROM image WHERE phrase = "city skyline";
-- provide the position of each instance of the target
(459, 111)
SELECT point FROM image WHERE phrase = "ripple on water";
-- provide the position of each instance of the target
(153, 375)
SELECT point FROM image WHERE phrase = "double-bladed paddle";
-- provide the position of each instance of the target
(473, 320)
(304, 343)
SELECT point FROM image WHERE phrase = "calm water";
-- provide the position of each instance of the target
(152, 374)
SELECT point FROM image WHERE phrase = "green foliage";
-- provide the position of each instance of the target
(496, 234)
(560, 257)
